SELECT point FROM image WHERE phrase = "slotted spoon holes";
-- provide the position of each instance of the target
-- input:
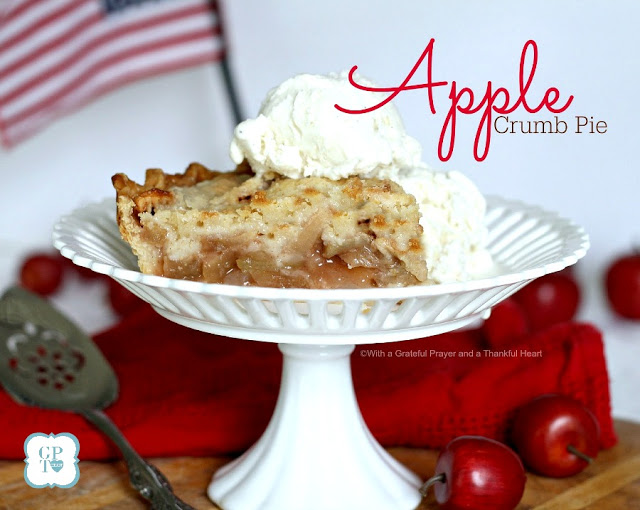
(44, 356)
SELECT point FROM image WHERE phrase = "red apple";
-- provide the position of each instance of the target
(42, 273)
(477, 473)
(556, 435)
(506, 324)
(623, 286)
(550, 299)
(122, 300)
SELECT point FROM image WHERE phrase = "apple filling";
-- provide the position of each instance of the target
(237, 267)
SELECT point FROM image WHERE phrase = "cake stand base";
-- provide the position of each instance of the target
(316, 452)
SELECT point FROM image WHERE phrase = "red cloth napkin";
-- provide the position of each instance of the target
(183, 392)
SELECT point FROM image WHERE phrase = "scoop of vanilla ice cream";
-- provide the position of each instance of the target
(452, 216)
(299, 132)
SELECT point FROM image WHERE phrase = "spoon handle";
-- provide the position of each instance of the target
(145, 478)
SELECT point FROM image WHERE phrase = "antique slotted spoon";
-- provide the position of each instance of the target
(47, 361)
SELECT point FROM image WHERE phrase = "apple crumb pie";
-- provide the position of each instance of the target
(239, 228)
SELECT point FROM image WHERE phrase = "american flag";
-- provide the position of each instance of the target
(57, 55)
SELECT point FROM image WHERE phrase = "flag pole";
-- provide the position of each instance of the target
(231, 90)
(227, 77)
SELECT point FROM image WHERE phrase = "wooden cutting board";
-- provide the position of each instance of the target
(611, 483)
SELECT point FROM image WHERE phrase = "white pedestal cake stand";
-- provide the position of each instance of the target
(317, 452)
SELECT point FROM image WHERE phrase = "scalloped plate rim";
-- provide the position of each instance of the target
(581, 242)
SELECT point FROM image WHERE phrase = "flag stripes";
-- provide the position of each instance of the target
(57, 55)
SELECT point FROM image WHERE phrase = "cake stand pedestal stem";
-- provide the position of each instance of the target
(316, 452)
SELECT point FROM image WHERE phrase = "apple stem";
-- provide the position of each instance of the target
(579, 454)
(434, 479)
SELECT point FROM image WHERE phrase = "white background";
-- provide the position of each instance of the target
(587, 48)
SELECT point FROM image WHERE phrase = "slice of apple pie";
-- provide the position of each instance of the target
(237, 228)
